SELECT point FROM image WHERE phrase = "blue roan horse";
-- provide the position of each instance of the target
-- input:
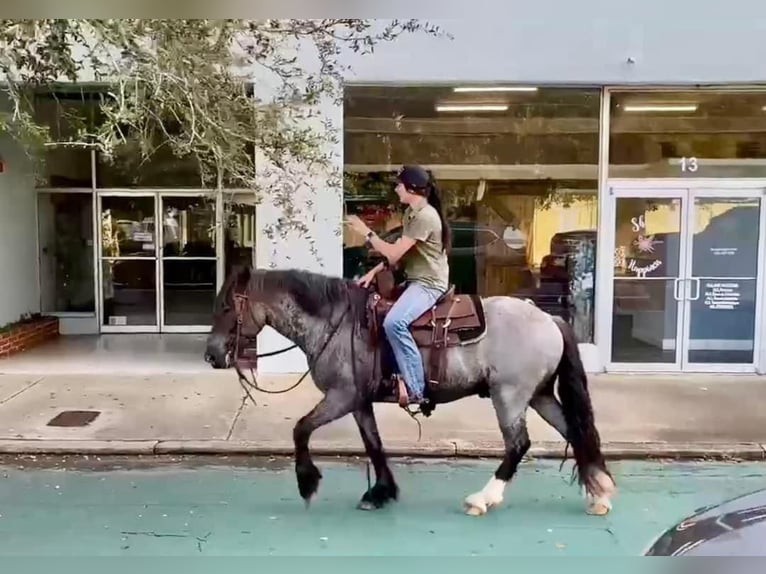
(517, 361)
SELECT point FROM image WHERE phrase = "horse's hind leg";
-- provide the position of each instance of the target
(511, 414)
(551, 411)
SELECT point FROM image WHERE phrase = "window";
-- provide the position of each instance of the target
(687, 134)
(239, 231)
(66, 252)
(518, 171)
(128, 169)
(67, 114)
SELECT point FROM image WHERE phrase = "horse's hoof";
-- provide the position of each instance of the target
(475, 505)
(480, 503)
(599, 507)
(377, 497)
(308, 481)
(366, 505)
(471, 510)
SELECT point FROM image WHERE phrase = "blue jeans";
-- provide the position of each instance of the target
(416, 300)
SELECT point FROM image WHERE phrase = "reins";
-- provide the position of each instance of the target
(240, 301)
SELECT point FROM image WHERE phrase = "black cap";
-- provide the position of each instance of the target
(413, 177)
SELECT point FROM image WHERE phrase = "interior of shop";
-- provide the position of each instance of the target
(518, 167)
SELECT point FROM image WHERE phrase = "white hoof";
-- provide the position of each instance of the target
(598, 506)
(481, 502)
(475, 505)
(599, 503)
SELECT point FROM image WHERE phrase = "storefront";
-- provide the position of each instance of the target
(607, 162)
(682, 222)
(635, 214)
(127, 246)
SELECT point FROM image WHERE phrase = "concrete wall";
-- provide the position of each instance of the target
(19, 286)
(323, 208)
(588, 41)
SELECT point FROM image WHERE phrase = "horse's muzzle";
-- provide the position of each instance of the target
(217, 353)
(216, 363)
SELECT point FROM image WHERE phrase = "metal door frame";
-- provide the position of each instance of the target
(606, 276)
(103, 328)
(728, 191)
(686, 190)
(164, 328)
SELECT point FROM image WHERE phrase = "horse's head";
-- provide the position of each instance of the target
(237, 313)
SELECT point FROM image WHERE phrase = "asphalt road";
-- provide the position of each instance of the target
(144, 507)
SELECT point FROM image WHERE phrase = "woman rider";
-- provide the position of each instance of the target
(423, 249)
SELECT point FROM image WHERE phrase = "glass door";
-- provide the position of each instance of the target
(128, 270)
(723, 280)
(649, 244)
(686, 279)
(188, 262)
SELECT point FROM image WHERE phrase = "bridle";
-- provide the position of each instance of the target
(241, 301)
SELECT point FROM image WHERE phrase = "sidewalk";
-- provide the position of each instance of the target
(638, 416)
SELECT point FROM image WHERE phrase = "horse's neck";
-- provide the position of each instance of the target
(306, 331)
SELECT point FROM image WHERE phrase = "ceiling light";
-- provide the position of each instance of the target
(463, 89)
(661, 108)
(471, 108)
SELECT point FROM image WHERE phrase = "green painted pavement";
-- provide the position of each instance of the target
(194, 508)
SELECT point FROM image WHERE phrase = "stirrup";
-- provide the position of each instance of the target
(425, 407)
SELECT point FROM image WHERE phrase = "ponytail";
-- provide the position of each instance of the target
(435, 201)
(421, 182)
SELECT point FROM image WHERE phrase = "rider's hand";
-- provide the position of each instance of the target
(357, 225)
(366, 279)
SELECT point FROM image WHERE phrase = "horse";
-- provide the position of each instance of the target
(517, 363)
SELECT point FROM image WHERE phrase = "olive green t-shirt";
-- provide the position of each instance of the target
(426, 262)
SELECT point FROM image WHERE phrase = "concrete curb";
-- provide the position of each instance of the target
(440, 449)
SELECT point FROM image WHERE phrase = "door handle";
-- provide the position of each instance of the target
(676, 282)
(697, 281)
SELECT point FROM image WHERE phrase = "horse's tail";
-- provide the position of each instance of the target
(578, 413)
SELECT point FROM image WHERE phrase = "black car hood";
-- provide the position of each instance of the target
(734, 528)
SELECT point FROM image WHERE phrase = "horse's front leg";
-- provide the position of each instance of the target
(335, 404)
(385, 489)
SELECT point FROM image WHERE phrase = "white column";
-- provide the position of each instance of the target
(324, 220)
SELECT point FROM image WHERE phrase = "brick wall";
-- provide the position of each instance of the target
(27, 335)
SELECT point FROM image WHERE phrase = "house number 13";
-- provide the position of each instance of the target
(689, 164)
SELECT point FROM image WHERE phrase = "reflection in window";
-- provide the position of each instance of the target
(189, 291)
(687, 134)
(130, 292)
(188, 226)
(239, 233)
(66, 252)
(161, 169)
(519, 181)
(127, 226)
(69, 116)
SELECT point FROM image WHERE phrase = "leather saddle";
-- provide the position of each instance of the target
(454, 320)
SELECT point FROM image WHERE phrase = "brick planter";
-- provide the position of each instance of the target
(26, 334)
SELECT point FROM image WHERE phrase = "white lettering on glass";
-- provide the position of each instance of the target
(642, 270)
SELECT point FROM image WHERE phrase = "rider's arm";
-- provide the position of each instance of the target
(393, 252)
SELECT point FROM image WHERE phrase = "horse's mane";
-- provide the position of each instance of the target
(316, 294)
